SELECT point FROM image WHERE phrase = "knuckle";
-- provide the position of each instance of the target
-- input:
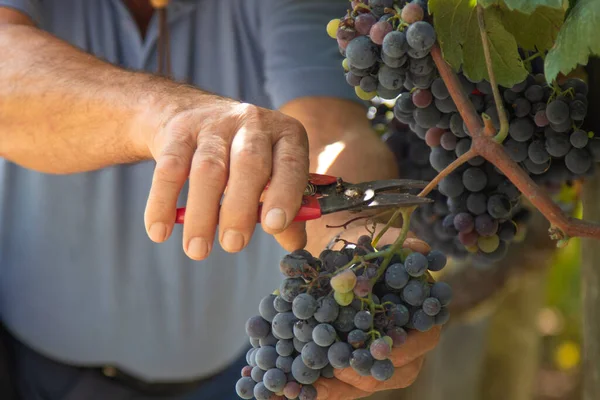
(211, 157)
(292, 160)
(171, 168)
(179, 129)
(250, 114)
(253, 153)
(294, 133)
(296, 130)
(211, 165)
(251, 110)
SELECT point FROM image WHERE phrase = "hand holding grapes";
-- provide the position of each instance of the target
(407, 360)
(349, 323)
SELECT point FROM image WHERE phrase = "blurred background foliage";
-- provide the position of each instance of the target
(559, 326)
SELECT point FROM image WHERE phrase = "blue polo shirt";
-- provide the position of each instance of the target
(80, 280)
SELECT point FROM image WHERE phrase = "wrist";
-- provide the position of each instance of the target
(159, 102)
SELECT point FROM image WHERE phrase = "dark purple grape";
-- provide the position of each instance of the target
(364, 22)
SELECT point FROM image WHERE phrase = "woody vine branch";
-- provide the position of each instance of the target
(486, 142)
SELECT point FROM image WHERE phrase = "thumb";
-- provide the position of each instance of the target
(293, 238)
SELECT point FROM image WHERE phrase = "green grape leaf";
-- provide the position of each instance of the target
(458, 33)
(450, 18)
(577, 40)
(536, 31)
(529, 6)
(506, 61)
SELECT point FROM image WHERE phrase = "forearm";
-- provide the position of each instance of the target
(65, 111)
(342, 143)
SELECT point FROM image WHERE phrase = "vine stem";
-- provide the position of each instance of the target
(447, 171)
(397, 245)
(387, 226)
(503, 133)
(562, 226)
(533, 57)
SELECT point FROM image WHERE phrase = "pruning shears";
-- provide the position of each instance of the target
(325, 194)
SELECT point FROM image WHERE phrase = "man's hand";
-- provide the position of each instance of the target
(408, 360)
(233, 145)
(67, 112)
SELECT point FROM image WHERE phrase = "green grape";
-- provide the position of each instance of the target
(344, 282)
(488, 244)
(343, 299)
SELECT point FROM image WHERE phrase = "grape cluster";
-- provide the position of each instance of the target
(545, 134)
(437, 222)
(347, 308)
(386, 45)
(477, 210)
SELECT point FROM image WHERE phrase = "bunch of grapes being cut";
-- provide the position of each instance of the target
(348, 308)
(470, 110)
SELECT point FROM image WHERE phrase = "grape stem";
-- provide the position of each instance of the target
(562, 226)
(397, 245)
(533, 57)
(447, 171)
(387, 226)
(501, 136)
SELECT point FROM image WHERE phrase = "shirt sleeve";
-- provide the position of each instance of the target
(300, 59)
(31, 8)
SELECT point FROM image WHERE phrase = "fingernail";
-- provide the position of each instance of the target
(232, 241)
(197, 248)
(322, 391)
(275, 219)
(157, 231)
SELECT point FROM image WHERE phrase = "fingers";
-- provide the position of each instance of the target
(402, 378)
(241, 152)
(249, 174)
(417, 344)
(289, 178)
(294, 237)
(334, 389)
(208, 178)
(171, 172)
(416, 245)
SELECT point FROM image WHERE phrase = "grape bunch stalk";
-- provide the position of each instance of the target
(347, 308)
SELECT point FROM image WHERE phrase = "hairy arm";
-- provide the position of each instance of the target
(341, 143)
(66, 111)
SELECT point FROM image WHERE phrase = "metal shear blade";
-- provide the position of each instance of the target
(389, 200)
(356, 197)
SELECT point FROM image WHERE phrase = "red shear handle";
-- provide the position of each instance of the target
(309, 210)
